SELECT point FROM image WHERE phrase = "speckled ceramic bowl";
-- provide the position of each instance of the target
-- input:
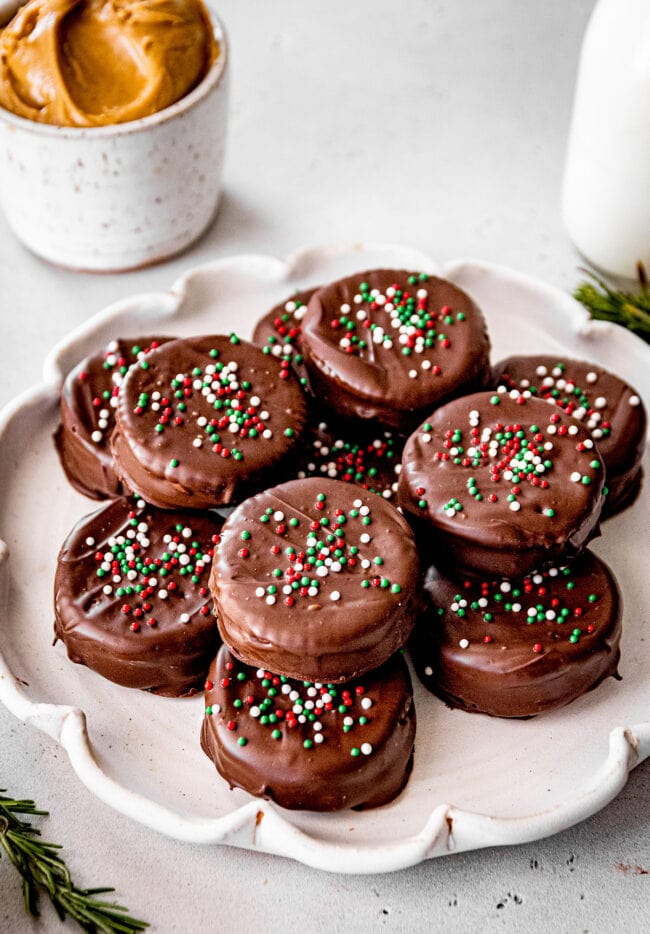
(118, 197)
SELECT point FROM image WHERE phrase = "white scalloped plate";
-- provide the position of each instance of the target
(477, 781)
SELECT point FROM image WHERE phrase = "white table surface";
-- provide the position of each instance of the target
(437, 123)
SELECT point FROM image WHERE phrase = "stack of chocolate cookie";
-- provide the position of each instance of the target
(316, 586)
(506, 491)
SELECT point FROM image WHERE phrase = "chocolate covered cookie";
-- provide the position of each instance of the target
(501, 486)
(279, 333)
(88, 402)
(609, 408)
(392, 345)
(131, 596)
(206, 421)
(514, 648)
(317, 580)
(372, 460)
(314, 746)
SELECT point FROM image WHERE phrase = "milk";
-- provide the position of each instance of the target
(606, 199)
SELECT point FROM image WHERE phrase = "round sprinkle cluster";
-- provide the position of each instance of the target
(135, 577)
(558, 388)
(544, 597)
(400, 319)
(285, 342)
(312, 554)
(365, 464)
(319, 713)
(516, 454)
(104, 387)
(238, 412)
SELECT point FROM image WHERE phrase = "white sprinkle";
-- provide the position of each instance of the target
(278, 515)
(428, 671)
(185, 617)
(365, 538)
(107, 589)
(591, 377)
(319, 738)
(96, 436)
(357, 503)
(90, 540)
(634, 400)
(335, 595)
(255, 712)
(515, 506)
(162, 594)
(366, 749)
(321, 571)
(366, 703)
(413, 374)
(600, 402)
(259, 591)
(464, 643)
(270, 599)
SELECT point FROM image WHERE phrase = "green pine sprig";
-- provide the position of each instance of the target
(629, 309)
(42, 868)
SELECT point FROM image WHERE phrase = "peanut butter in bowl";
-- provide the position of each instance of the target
(86, 63)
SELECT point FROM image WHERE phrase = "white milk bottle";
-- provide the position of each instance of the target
(606, 199)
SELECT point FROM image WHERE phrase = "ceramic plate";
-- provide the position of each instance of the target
(477, 781)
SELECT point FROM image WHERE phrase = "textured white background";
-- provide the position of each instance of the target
(442, 125)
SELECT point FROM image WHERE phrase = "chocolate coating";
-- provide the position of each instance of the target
(372, 460)
(310, 600)
(131, 599)
(279, 333)
(206, 421)
(356, 751)
(608, 407)
(501, 486)
(88, 401)
(517, 648)
(392, 345)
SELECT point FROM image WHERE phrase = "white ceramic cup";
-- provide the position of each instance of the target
(118, 197)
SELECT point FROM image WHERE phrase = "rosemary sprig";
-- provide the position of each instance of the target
(629, 309)
(41, 867)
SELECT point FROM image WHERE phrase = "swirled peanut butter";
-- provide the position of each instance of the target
(99, 62)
